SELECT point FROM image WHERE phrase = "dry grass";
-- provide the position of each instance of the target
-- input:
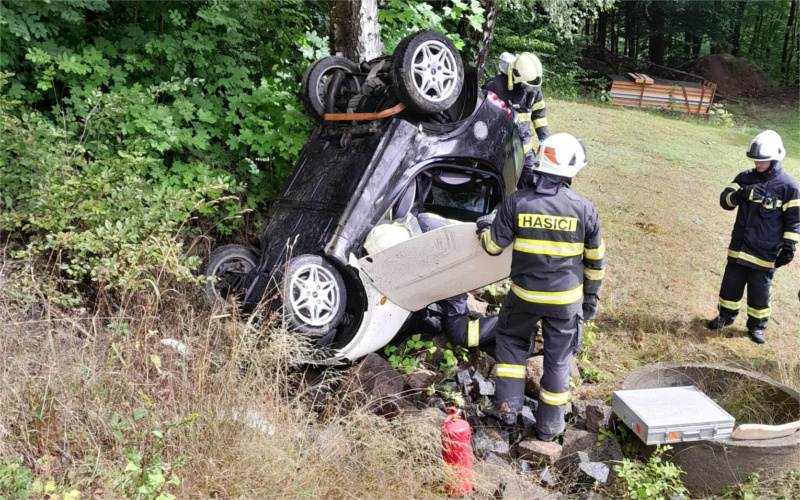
(656, 184)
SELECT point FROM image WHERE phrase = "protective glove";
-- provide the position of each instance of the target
(589, 307)
(751, 192)
(485, 222)
(785, 255)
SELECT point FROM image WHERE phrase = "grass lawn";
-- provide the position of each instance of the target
(656, 182)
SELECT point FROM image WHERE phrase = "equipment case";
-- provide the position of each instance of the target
(672, 415)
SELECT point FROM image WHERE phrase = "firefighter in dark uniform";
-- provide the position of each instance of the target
(521, 88)
(459, 329)
(765, 233)
(556, 273)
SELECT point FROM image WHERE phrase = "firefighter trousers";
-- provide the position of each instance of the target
(462, 331)
(758, 284)
(514, 338)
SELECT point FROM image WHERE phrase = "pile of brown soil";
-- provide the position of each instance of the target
(733, 76)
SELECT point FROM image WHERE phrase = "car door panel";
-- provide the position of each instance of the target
(434, 266)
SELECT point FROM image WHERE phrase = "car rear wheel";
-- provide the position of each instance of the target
(224, 264)
(314, 84)
(427, 72)
(314, 296)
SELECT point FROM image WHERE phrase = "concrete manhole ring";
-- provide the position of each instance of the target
(711, 466)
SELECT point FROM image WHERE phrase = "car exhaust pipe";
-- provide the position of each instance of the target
(333, 88)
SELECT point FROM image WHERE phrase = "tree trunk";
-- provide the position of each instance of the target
(738, 17)
(602, 22)
(614, 34)
(479, 43)
(793, 48)
(786, 34)
(354, 29)
(655, 48)
(757, 32)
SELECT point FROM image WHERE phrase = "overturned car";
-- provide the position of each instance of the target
(341, 247)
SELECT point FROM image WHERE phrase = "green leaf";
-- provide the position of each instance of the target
(139, 413)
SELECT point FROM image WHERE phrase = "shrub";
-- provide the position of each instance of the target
(657, 479)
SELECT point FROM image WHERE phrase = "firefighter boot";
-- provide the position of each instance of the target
(719, 322)
(757, 335)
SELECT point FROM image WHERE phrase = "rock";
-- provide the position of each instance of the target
(483, 364)
(419, 379)
(568, 408)
(453, 386)
(437, 403)
(482, 387)
(531, 403)
(488, 440)
(598, 417)
(519, 488)
(487, 479)
(547, 477)
(476, 307)
(579, 406)
(576, 442)
(595, 471)
(493, 459)
(377, 377)
(534, 369)
(472, 414)
(535, 451)
(528, 421)
(463, 377)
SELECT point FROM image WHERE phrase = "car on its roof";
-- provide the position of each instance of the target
(379, 157)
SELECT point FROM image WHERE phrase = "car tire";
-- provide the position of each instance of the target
(312, 84)
(427, 72)
(227, 258)
(314, 295)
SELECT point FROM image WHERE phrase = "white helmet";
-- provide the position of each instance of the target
(561, 154)
(384, 236)
(766, 146)
(506, 60)
(526, 70)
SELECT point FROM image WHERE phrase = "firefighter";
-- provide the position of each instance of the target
(458, 328)
(520, 86)
(765, 233)
(556, 273)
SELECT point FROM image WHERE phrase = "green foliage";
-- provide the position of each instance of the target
(404, 357)
(453, 355)
(80, 197)
(399, 19)
(720, 116)
(16, 480)
(658, 479)
(147, 475)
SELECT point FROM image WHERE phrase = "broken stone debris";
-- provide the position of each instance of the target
(487, 440)
(598, 418)
(419, 379)
(545, 452)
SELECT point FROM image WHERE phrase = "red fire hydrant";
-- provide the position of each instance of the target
(457, 452)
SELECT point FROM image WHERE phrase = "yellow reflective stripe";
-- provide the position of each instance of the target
(729, 304)
(488, 244)
(791, 236)
(523, 117)
(791, 203)
(749, 258)
(538, 105)
(541, 122)
(733, 186)
(728, 199)
(596, 253)
(527, 148)
(510, 371)
(758, 313)
(593, 274)
(554, 398)
(473, 333)
(558, 298)
(545, 247)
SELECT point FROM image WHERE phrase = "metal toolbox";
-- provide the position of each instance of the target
(672, 415)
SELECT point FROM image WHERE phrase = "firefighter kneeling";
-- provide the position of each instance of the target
(556, 272)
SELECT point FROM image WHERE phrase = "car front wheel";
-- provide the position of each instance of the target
(314, 295)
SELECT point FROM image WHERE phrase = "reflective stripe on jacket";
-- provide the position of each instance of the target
(559, 253)
(763, 226)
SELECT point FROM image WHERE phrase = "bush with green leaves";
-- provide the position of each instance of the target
(656, 479)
